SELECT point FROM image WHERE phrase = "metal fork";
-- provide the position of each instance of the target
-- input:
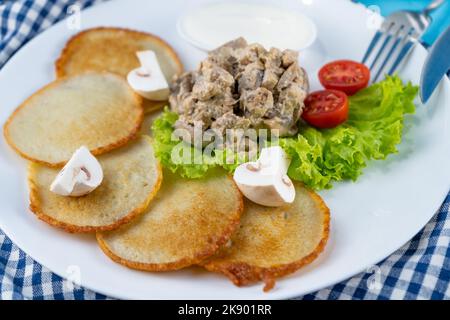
(396, 37)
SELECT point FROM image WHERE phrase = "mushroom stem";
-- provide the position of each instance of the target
(265, 181)
(286, 180)
(254, 168)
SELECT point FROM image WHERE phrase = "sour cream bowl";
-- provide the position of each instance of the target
(212, 24)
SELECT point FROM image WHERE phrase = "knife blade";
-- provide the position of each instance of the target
(437, 64)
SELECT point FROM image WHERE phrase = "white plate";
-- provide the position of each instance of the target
(372, 218)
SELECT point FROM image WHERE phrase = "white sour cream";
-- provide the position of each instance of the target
(211, 25)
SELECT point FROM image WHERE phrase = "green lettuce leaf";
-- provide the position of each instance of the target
(319, 157)
(165, 145)
(373, 131)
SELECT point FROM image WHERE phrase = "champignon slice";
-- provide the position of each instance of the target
(255, 103)
(181, 89)
(148, 80)
(252, 76)
(270, 79)
(80, 176)
(238, 43)
(212, 81)
(292, 74)
(283, 126)
(230, 121)
(289, 57)
(265, 181)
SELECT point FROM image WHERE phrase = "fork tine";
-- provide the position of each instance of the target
(402, 54)
(372, 45)
(390, 53)
(383, 46)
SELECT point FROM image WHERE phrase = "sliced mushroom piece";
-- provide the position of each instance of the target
(149, 80)
(81, 175)
(265, 181)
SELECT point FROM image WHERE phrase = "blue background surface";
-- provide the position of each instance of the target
(441, 16)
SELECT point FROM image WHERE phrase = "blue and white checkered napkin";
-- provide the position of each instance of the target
(419, 270)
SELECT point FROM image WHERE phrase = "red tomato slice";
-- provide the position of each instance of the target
(326, 108)
(345, 75)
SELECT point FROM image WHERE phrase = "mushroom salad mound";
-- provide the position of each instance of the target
(242, 86)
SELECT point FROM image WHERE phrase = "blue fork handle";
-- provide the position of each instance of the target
(440, 16)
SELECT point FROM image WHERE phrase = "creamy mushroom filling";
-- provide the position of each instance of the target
(242, 86)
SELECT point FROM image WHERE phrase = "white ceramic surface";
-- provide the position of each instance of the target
(209, 26)
(372, 218)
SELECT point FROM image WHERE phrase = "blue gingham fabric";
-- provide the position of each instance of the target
(419, 270)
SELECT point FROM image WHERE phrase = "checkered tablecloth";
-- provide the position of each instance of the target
(419, 270)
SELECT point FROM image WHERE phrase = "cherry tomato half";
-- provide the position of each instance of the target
(345, 75)
(326, 108)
